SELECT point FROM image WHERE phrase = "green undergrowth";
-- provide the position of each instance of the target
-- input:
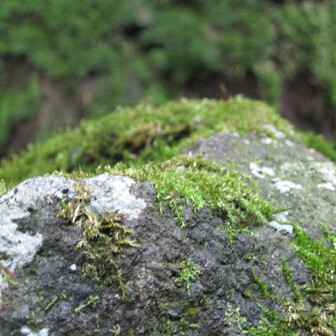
(140, 134)
(202, 183)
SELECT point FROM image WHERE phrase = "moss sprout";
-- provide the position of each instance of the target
(188, 272)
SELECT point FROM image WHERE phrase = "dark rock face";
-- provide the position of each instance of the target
(192, 280)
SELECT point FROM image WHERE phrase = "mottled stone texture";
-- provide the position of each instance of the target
(50, 297)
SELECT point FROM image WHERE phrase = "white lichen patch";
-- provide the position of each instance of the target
(261, 172)
(28, 332)
(112, 193)
(289, 143)
(282, 227)
(292, 169)
(328, 186)
(277, 134)
(267, 141)
(285, 186)
(281, 217)
(327, 171)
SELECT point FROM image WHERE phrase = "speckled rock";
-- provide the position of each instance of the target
(50, 296)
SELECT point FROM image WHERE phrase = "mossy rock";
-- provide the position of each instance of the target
(236, 235)
(144, 133)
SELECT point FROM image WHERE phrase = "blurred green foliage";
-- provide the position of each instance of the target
(16, 105)
(154, 50)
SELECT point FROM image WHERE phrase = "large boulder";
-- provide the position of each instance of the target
(235, 236)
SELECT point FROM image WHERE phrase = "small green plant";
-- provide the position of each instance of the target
(92, 301)
(232, 315)
(51, 303)
(188, 271)
(262, 285)
(188, 324)
(289, 277)
(271, 325)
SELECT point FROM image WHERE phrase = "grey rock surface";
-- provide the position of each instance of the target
(289, 175)
(50, 297)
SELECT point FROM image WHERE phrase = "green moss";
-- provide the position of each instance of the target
(202, 183)
(192, 311)
(289, 277)
(157, 135)
(103, 239)
(161, 134)
(271, 324)
(51, 303)
(3, 187)
(262, 285)
(232, 316)
(320, 144)
(320, 293)
(321, 261)
(92, 301)
(139, 135)
(188, 272)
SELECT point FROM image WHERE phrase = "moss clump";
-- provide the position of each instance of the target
(188, 272)
(139, 135)
(102, 238)
(227, 193)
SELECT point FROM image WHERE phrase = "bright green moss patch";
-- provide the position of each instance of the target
(188, 272)
(203, 184)
(271, 325)
(140, 134)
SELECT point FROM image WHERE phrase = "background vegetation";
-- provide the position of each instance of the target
(64, 60)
